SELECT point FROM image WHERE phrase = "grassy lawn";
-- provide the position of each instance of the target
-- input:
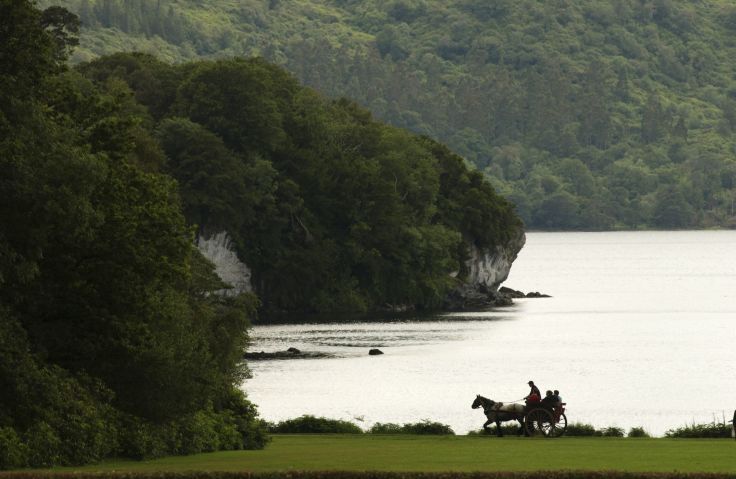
(453, 453)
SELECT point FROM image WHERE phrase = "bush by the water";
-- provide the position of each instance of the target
(611, 431)
(638, 432)
(714, 429)
(309, 424)
(425, 427)
(588, 430)
(580, 429)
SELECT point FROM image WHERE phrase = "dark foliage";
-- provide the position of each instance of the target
(332, 210)
(581, 429)
(111, 340)
(638, 432)
(315, 425)
(708, 430)
(425, 427)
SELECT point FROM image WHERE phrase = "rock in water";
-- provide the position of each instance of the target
(375, 352)
(511, 292)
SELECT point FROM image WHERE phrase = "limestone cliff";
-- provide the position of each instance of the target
(486, 270)
(219, 249)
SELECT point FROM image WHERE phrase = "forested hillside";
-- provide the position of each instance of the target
(332, 210)
(113, 339)
(588, 114)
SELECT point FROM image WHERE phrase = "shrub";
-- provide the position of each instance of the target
(43, 445)
(611, 431)
(429, 428)
(710, 430)
(198, 433)
(425, 427)
(252, 431)
(386, 428)
(308, 424)
(638, 432)
(206, 430)
(141, 440)
(13, 453)
(580, 429)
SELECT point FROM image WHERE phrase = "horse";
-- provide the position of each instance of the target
(499, 412)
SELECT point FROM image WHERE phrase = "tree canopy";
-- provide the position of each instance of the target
(518, 88)
(332, 210)
(111, 340)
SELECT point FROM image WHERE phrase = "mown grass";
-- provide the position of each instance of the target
(451, 453)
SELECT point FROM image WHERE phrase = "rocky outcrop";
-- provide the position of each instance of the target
(490, 268)
(291, 353)
(512, 293)
(486, 270)
(218, 248)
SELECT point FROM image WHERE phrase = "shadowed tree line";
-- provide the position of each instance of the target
(113, 342)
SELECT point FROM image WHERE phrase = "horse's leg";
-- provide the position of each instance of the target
(485, 425)
(499, 431)
(522, 429)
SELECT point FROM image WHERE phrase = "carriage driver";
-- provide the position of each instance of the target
(534, 395)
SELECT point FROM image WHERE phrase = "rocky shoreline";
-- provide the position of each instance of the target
(291, 353)
(512, 293)
(472, 297)
(294, 353)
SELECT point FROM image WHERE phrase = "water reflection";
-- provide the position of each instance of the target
(501, 314)
(340, 338)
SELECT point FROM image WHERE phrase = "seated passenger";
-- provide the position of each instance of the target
(549, 400)
(558, 399)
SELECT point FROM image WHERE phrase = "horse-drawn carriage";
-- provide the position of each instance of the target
(536, 419)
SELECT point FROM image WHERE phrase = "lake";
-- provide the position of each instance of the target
(640, 331)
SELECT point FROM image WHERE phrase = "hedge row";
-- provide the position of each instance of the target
(308, 424)
(373, 475)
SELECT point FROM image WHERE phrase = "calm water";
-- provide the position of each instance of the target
(640, 332)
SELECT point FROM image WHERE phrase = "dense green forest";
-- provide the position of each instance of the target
(332, 210)
(591, 114)
(113, 341)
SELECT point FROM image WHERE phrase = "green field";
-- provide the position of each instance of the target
(452, 453)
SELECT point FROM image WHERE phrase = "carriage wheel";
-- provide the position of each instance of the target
(539, 422)
(560, 426)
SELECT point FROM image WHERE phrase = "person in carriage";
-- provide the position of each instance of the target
(558, 399)
(534, 395)
(549, 401)
(533, 398)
